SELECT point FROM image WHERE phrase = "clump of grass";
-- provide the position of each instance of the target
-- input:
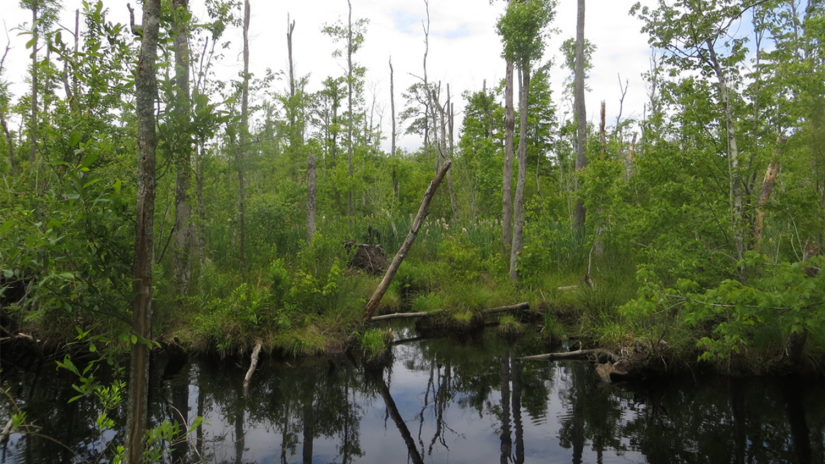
(374, 345)
(552, 330)
(304, 341)
(509, 328)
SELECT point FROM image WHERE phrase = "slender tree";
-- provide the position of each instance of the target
(581, 111)
(509, 136)
(182, 114)
(522, 29)
(145, 91)
(242, 138)
(392, 149)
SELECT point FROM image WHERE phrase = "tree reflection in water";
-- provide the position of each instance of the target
(441, 401)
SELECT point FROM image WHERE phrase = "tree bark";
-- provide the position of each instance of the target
(392, 149)
(253, 364)
(507, 185)
(765, 193)
(423, 210)
(183, 206)
(244, 129)
(572, 355)
(145, 91)
(349, 108)
(33, 118)
(581, 113)
(518, 229)
(311, 191)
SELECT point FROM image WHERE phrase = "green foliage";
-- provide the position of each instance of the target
(780, 297)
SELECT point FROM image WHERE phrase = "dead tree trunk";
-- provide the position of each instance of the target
(349, 107)
(765, 193)
(581, 113)
(3, 123)
(311, 170)
(183, 207)
(631, 151)
(244, 129)
(392, 149)
(423, 210)
(253, 364)
(507, 185)
(518, 223)
(145, 91)
(33, 118)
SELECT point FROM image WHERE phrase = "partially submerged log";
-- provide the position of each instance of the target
(405, 315)
(252, 366)
(423, 210)
(517, 307)
(578, 355)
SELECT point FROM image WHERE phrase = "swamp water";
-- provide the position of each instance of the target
(442, 401)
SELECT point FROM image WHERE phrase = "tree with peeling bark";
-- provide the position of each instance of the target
(145, 91)
(523, 30)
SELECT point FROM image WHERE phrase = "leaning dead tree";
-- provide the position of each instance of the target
(408, 242)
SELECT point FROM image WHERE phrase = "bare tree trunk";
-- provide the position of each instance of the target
(630, 153)
(423, 210)
(244, 129)
(765, 193)
(518, 229)
(443, 113)
(145, 91)
(507, 185)
(392, 149)
(602, 130)
(3, 123)
(201, 211)
(183, 207)
(349, 107)
(581, 113)
(33, 118)
(311, 170)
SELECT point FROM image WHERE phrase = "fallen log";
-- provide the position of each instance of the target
(252, 366)
(4, 435)
(423, 210)
(577, 355)
(404, 315)
(516, 307)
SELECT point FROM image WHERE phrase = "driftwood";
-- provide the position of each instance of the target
(577, 355)
(423, 210)
(405, 315)
(516, 307)
(4, 435)
(252, 366)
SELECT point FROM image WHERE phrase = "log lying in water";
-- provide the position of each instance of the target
(252, 366)
(577, 355)
(516, 307)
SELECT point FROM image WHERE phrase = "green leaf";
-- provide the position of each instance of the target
(6, 225)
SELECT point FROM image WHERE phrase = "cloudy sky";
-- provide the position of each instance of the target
(464, 47)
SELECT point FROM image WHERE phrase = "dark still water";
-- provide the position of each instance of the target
(443, 401)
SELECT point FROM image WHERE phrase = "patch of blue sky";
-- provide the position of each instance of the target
(457, 33)
(406, 22)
